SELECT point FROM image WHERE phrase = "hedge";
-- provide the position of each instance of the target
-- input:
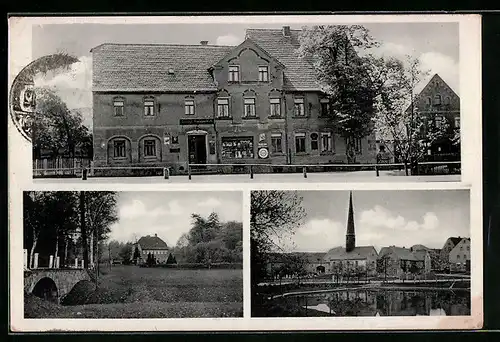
(221, 265)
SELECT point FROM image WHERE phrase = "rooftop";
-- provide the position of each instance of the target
(152, 242)
(340, 253)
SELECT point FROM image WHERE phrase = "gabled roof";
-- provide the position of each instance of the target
(359, 253)
(145, 67)
(152, 242)
(455, 240)
(247, 42)
(435, 78)
(399, 252)
(299, 74)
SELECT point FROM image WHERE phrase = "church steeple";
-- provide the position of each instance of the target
(350, 238)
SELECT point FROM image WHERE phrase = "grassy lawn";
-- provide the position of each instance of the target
(131, 291)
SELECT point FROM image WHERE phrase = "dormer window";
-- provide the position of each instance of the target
(118, 105)
(234, 73)
(263, 74)
(149, 107)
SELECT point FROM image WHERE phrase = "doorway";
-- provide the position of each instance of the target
(197, 149)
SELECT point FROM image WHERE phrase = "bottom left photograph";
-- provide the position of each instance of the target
(152, 254)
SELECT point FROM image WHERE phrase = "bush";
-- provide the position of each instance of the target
(195, 266)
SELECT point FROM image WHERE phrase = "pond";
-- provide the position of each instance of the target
(380, 303)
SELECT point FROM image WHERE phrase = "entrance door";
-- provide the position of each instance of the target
(197, 149)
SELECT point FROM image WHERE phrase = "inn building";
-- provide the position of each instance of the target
(170, 105)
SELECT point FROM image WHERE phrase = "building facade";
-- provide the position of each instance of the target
(397, 261)
(154, 246)
(177, 104)
(438, 104)
(459, 256)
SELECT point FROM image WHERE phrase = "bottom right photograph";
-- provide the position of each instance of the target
(360, 253)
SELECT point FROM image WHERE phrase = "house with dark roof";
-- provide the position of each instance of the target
(152, 245)
(459, 256)
(395, 261)
(351, 257)
(170, 105)
(438, 104)
(450, 243)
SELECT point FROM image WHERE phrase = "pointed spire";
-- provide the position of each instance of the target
(350, 235)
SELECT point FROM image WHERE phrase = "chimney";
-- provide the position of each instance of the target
(204, 42)
(286, 31)
(156, 235)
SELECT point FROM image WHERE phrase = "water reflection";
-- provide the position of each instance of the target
(386, 303)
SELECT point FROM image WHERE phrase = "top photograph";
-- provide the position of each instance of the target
(240, 103)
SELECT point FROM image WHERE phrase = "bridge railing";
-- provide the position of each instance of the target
(54, 262)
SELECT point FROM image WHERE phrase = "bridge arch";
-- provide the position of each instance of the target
(46, 288)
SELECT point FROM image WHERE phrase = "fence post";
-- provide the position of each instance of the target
(83, 263)
(166, 173)
(304, 171)
(376, 170)
(189, 172)
(84, 173)
(251, 171)
(58, 260)
(35, 261)
(76, 262)
(51, 261)
(406, 168)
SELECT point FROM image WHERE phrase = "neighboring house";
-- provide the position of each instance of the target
(152, 245)
(435, 256)
(438, 103)
(395, 261)
(459, 256)
(351, 257)
(312, 262)
(450, 243)
(179, 104)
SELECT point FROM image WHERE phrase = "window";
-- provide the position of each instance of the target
(189, 107)
(299, 107)
(118, 105)
(468, 248)
(465, 257)
(457, 122)
(437, 100)
(149, 105)
(150, 148)
(275, 107)
(300, 142)
(263, 74)
(447, 100)
(249, 108)
(458, 256)
(325, 107)
(314, 141)
(234, 73)
(438, 121)
(326, 142)
(119, 149)
(223, 108)
(356, 142)
(276, 143)
(429, 101)
(237, 147)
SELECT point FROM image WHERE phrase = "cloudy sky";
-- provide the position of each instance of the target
(436, 44)
(383, 218)
(168, 214)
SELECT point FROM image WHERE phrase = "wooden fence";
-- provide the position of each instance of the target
(62, 166)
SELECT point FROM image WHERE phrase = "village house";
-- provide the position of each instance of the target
(439, 104)
(171, 105)
(152, 245)
(396, 261)
(434, 253)
(312, 263)
(459, 256)
(449, 245)
(351, 258)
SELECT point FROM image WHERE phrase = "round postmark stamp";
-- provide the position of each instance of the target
(22, 97)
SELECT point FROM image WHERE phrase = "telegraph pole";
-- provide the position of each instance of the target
(84, 230)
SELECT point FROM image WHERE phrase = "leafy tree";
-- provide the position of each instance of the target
(170, 259)
(125, 252)
(343, 76)
(397, 119)
(137, 254)
(274, 215)
(57, 128)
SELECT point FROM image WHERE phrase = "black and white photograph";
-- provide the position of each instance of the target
(360, 253)
(102, 254)
(137, 103)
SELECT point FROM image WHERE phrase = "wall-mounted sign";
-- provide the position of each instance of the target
(262, 137)
(196, 121)
(175, 150)
(166, 140)
(263, 153)
(175, 140)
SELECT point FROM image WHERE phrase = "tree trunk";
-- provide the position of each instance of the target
(32, 251)
(91, 248)
(65, 262)
(83, 230)
(56, 251)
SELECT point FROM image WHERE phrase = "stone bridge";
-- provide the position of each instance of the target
(53, 284)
